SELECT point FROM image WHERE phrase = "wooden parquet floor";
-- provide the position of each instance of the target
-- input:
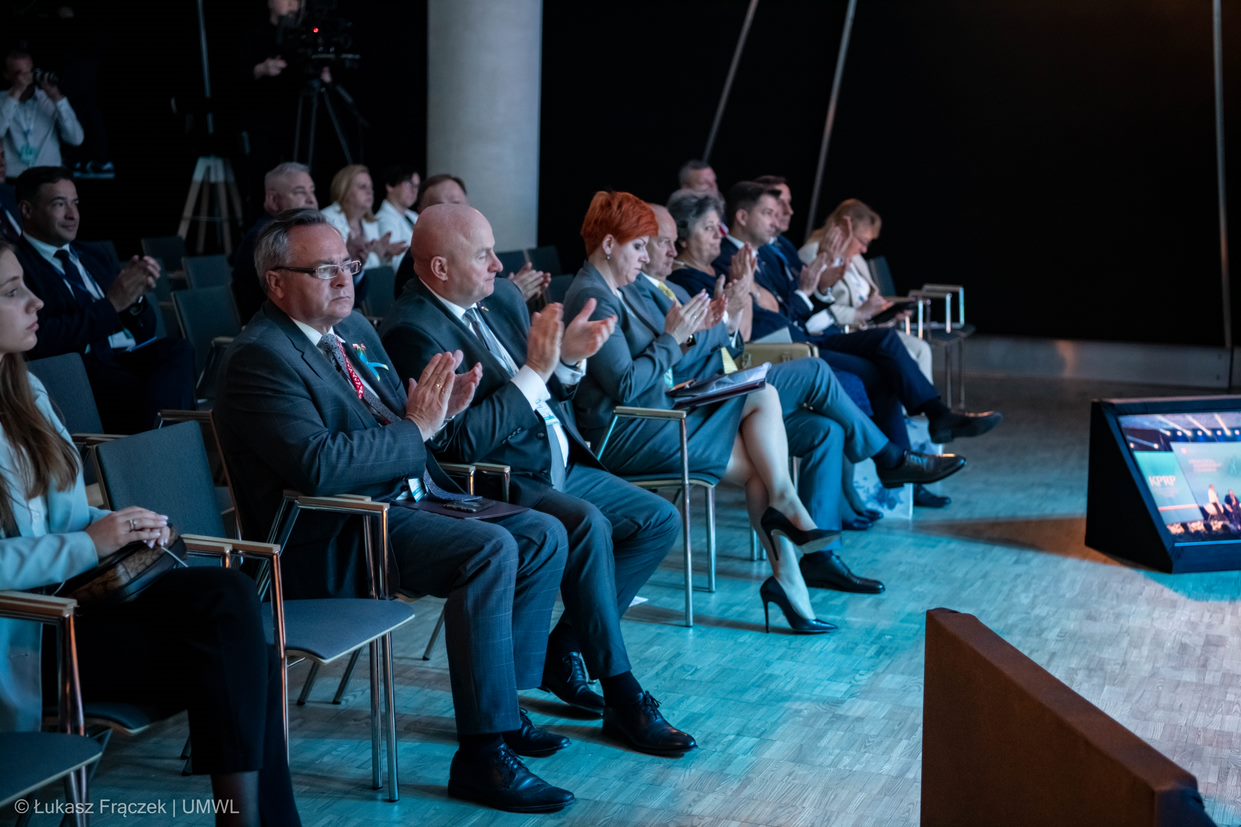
(821, 730)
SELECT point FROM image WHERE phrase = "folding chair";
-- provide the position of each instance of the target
(546, 258)
(208, 317)
(322, 631)
(380, 294)
(207, 271)
(30, 761)
(169, 249)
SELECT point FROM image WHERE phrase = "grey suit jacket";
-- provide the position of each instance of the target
(288, 420)
(499, 426)
(629, 369)
(27, 562)
(703, 360)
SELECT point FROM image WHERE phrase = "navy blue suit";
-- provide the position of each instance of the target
(618, 533)
(891, 377)
(130, 387)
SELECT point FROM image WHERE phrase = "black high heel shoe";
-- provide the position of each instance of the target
(775, 524)
(772, 592)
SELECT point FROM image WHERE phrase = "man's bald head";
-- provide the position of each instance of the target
(454, 253)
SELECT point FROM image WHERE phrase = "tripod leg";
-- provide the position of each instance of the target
(187, 214)
(314, 127)
(204, 204)
(340, 132)
(226, 229)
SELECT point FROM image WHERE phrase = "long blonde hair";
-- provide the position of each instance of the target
(44, 459)
(852, 208)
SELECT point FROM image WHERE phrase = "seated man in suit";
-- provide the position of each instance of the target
(286, 187)
(94, 306)
(309, 403)
(891, 377)
(822, 423)
(618, 533)
(449, 189)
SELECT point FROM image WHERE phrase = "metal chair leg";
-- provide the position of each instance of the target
(308, 684)
(685, 512)
(344, 679)
(711, 539)
(435, 634)
(375, 690)
(394, 792)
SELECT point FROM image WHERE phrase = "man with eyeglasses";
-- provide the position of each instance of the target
(311, 402)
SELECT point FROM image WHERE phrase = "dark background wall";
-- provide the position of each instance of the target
(1058, 159)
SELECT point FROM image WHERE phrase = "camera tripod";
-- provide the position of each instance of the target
(319, 93)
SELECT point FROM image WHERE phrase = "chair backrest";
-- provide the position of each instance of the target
(559, 288)
(513, 260)
(165, 470)
(169, 249)
(65, 378)
(380, 290)
(546, 258)
(204, 314)
(207, 271)
(882, 274)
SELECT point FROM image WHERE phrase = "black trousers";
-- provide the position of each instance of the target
(131, 388)
(194, 640)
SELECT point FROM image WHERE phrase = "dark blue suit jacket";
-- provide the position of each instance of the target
(499, 426)
(67, 324)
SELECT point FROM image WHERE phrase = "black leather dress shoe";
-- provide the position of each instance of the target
(856, 524)
(953, 424)
(825, 570)
(926, 498)
(641, 725)
(566, 679)
(532, 741)
(499, 779)
(920, 469)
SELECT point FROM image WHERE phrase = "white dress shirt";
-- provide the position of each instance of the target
(32, 131)
(531, 385)
(399, 224)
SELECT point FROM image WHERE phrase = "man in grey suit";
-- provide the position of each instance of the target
(309, 403)
(618, 533)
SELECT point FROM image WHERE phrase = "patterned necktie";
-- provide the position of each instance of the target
(334, 349)
(550, 421)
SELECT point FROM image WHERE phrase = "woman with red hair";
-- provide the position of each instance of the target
(740, 440)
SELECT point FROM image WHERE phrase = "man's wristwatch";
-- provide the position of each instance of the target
(136, 308)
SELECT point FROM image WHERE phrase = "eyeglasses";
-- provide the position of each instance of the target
(327, 272)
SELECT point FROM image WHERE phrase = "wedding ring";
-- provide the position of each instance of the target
(133, 526)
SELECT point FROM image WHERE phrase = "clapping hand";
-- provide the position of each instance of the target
(582, 337)
(544, 344)
(685, 320)
(529, 281)
(463, 387)
(136, 278)
(428, 401)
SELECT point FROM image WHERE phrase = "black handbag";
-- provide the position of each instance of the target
(123, 575)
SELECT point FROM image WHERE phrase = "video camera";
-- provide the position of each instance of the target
(316, 38)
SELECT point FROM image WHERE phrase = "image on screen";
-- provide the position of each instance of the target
(1191, 465)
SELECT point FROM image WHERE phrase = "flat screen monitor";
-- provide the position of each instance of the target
(1165, 481)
